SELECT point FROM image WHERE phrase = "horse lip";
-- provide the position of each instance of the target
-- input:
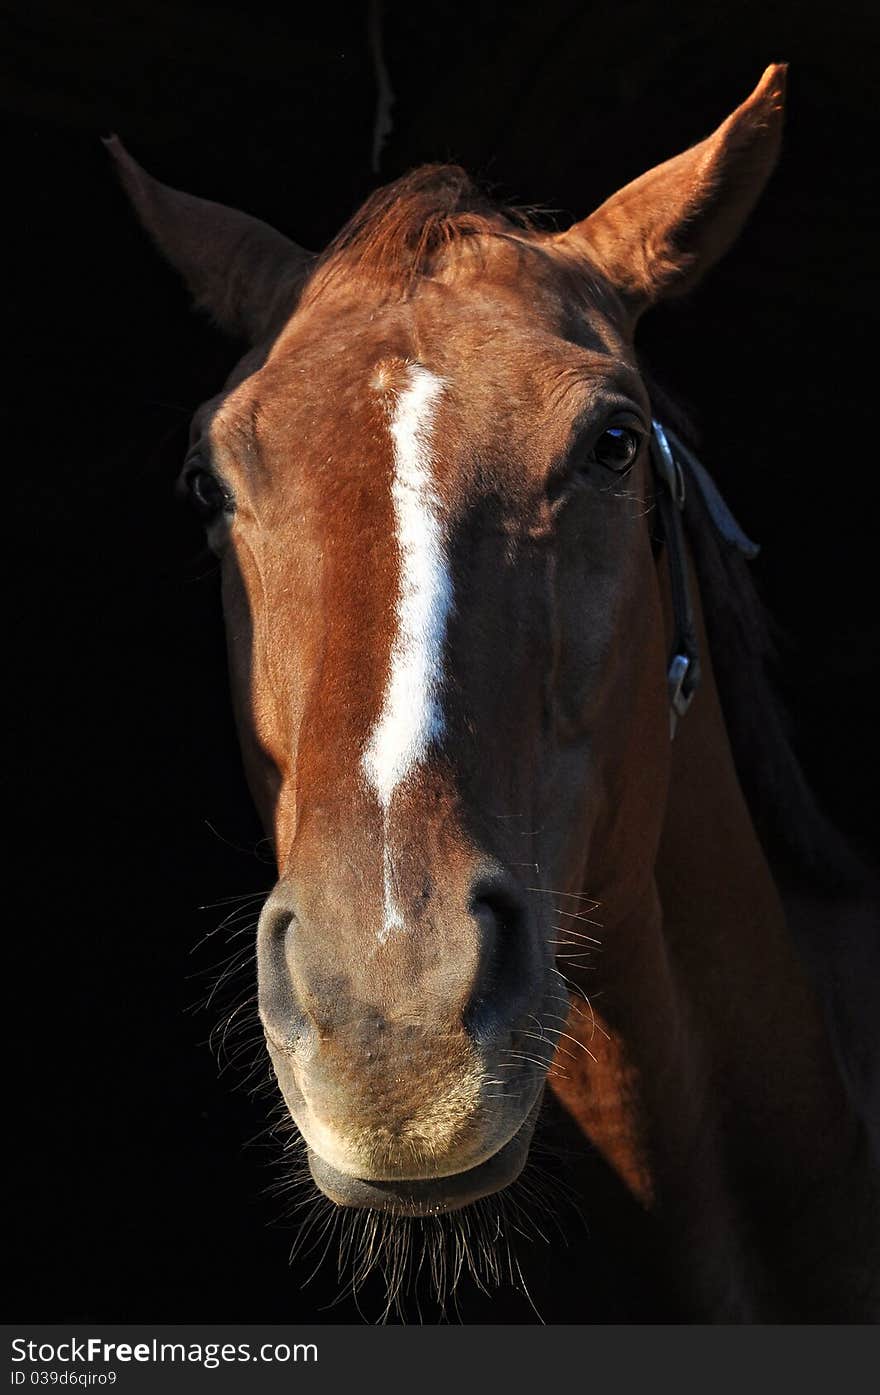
(429, 1196)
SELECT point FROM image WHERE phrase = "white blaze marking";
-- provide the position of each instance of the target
(411, 719)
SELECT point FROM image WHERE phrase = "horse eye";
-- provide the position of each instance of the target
(617, 448)
(207, 494)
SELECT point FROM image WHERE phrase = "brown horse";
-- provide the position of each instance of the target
(429, 480)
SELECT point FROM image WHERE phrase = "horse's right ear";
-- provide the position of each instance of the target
(243, 272)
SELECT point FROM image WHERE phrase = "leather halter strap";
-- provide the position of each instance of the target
(675, 468)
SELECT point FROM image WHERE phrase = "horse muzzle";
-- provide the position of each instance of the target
(429, 1196)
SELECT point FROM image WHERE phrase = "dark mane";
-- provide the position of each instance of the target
(795, 832)
(397, 234)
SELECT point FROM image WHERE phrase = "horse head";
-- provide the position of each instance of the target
(428, 482)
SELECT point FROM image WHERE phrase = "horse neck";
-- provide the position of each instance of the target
(739, 981)
(715, 1079)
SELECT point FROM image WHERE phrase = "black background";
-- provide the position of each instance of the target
(135, 1197)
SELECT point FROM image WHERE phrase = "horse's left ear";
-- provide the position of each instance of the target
(239, 269)
(657, 236)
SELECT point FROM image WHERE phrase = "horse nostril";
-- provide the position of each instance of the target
(500, 914)
(283, 1014)
(275, 919)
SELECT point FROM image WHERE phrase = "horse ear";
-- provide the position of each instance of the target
(239, 269)
(658, 235)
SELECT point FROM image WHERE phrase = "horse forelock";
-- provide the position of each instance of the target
(398, 233)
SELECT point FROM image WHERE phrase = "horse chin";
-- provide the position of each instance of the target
(429, 1196)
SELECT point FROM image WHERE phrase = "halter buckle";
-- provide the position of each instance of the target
(680, 697)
